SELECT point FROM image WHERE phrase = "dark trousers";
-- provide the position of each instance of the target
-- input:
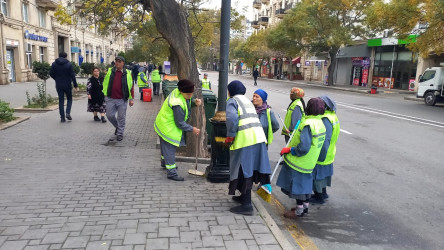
(255, 80)
(156, 86)
(61, 93)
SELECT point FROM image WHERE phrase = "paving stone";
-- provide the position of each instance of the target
(33, 242)
(76, 242)
(40, 247)
(115, 234)
(201, 226)
(98, 245)
(73, 226)
(121, 248)
(14, 245)
(55, 246)
(270, 247)
(168, 232)
(226, 220)
(93, 230)
(148, 227)
(265, 239)
(242, 234)
(135, 239)
(180, 246)
(15, 230)
(220, 230)
(236, 244)
(127, 224)
(213, 241)
(34, 234)
(190, 236)
(259, 228)
(139, 247)
(52, 238)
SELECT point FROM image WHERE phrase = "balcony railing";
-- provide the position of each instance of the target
(255, 24)
(280, 13)
(47, 4)
(257, 4)
(263, 20)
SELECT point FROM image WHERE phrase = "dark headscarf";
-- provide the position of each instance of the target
(236, 88)
(185, 86)
(315, 106)
(329, 103)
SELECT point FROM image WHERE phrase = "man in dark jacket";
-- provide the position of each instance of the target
(63, 73)
(255, 75)
(135, 72)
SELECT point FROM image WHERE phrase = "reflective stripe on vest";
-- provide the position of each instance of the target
(290, 110)
(270, 129)
(165, 125)
(140, 83)
(331, 152)
(306, 163)
(205, 83)
(250, 131)
(129, 82)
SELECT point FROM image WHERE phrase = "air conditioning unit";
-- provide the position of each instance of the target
(28, 47)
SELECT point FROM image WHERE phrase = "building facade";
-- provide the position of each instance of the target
(30, 32)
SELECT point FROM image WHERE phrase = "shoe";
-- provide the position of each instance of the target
(293, 214)
(162, 164)
(305, 210)
(62, 120)
(317, 199)
(243, 210)
(237, 198)
(96, 118)
(103, 119)
(120, 137)
(68, 116)
(175, 178)
(115, 132)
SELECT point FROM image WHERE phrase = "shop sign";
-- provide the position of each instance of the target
(356, 81)
(75, 50)
(12, 43)
(412, 85)
(388, 82)
(307, 63)
(364, 77)
(361, 61)
(35, 37)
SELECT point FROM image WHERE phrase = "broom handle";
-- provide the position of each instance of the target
(282, 121)
(289, 140)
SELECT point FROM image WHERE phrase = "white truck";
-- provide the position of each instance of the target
(431, 85)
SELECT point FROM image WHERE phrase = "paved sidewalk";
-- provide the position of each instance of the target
(65, 186)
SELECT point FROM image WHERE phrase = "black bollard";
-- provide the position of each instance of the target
(219, 169)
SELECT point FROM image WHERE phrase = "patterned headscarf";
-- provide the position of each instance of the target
(296, 93)
(315, 106)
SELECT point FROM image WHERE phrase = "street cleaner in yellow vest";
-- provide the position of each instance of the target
(119, 91)
(142, 82)
(171, 123)
(155, 79)
(206, 84)
(265, 114)
(248, 152)
(323, 170)
(295, 111)
(300, 157)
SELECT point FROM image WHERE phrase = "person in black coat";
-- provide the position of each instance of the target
(134, 73)
(63, 73)
(255, 75)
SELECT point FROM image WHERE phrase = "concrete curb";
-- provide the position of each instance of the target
(21, 109)
(413, 99)
(18, 120)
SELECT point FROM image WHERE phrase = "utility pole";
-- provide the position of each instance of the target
(224, 50)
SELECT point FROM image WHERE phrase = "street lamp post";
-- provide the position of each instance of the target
(219, 169)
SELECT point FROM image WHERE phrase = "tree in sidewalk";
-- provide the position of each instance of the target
(406, 17)
(319, 26)
(42, 70)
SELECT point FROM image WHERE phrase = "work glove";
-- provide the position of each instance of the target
(228, 141)
(285, 150)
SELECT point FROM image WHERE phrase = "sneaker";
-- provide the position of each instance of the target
(293, 214)
(242, 210)
(317, 199)
(96, 118)
(305, 209)
(325, 196)
(103, 119)
(68, 116)
(62, 120)
(175, 178)
(120, 137)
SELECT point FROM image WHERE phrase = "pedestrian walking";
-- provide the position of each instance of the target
(171, 123)
(63, 74)
(96, 98)
(155, 79)
(142, 82)
(300, 157)
(134, 72)
(295, 111)
(248, 152)
(255, 75)
(118, 89)
(206, 84)
(323, 170)
(266, 115)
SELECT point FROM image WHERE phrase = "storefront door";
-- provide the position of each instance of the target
(10, 64)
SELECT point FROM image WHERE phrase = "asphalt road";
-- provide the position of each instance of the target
(386, 191)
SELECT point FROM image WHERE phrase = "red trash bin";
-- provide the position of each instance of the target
(147, 93)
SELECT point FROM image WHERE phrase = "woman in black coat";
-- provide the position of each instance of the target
(96, 98)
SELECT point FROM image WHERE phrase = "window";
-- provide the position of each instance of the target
(42, 54)
(25, 8)
(29, 48)
(42, 18)
(4, 7)
(428, 75)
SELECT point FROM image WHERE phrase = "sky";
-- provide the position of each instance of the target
(237, 4)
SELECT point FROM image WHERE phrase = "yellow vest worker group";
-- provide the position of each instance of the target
(306, 163)
(290, 110)
(165, 126)
(250, 131)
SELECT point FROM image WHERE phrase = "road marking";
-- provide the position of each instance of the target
(345, 131)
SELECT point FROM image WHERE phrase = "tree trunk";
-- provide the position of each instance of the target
(171, 22)
(332, 66)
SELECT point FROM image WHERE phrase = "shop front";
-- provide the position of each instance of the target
(352, 66)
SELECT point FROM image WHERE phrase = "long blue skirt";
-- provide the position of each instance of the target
(295, 184)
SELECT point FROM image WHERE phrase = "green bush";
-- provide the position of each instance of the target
(6, 112)
(87, 68)
(41, 100)
(76, 68)
(41, 69)
(82, 86)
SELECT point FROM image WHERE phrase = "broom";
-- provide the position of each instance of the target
(265, 191)
(195, 171)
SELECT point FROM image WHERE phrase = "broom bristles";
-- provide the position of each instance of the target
(264, 194)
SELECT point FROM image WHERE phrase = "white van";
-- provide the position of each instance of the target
(431, 84)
